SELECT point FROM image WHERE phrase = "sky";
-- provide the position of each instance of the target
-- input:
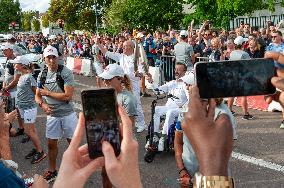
(36, 5)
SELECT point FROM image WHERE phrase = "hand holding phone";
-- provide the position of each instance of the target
(235, 78)
(101, 120)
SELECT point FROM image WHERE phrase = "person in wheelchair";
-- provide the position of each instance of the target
(172, 107)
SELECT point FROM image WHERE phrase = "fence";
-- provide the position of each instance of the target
(80, 66)
(167, 65)
(260, 21)
(166, 69)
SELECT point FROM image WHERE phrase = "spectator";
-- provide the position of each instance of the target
(239, 54)
(183, 51)
(196, 48)
(214, 52)
(230, 47)
(9, 88)
(61, 117)
(26, 106)
(254, 49)
(150, 49)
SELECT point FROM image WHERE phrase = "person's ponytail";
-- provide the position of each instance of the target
(127, 83)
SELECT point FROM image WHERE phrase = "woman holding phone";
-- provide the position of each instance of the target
(114, 76)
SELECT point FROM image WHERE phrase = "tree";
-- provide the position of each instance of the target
(45, 20)
(36, 25)
(147, 14)
(76, 14)
(222, 11)
(27, 18)
(10, 12)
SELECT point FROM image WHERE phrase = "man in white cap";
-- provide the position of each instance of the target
(11, 79)
(184, 51)
(235, 55)
(126, 61)
(12, 41)
(54, 93)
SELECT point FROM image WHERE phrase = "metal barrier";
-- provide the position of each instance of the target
(167, 66)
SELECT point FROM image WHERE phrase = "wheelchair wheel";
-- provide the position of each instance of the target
(149, 157)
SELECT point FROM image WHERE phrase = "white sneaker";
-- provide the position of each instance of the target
(161, 144)
(147, 144)
(140, 128)
(155, 138)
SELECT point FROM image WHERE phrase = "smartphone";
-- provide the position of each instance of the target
(235, 78)
(101, 120)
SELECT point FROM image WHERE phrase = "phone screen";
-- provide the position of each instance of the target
(101, 120)
(235, 78)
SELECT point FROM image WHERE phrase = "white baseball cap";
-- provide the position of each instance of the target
(140, 35)
(183, 33)
(52, 37)
(50, 50)
(7, 46)
(20, 60)
(111, 71)
(240, 40)
(188, 78)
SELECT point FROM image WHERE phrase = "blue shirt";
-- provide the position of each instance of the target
(8, 178)
(276, 48)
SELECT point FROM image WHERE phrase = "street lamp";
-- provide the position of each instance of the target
(97, 31)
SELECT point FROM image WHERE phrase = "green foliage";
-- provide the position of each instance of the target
(10, 12)
(221, 11)
(27, 17)
(45, 20)
(150, 14)
(36, 25)
(77, 14)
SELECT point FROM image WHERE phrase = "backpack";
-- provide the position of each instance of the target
(10, 68)
(59, 79)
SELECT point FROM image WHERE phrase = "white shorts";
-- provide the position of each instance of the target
(61, 127)
(28, 115)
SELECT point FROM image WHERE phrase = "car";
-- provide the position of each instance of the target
(2, 38)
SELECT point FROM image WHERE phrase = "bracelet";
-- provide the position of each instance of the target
(40, 103)
(201, 181)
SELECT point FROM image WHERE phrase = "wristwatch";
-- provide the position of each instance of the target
(201, 181)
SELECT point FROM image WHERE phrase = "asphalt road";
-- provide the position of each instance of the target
(258, 157)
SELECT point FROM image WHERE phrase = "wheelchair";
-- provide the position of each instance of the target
(151, 144)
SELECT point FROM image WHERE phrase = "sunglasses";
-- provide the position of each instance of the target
(51, 57)
(273, 37)
(108, 80)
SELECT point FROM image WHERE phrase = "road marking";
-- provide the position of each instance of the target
(258, 162)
